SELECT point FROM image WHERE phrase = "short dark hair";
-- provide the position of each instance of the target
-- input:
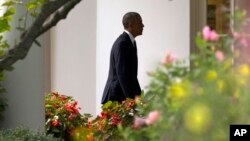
(129, 18)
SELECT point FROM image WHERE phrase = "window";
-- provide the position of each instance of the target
(218, 12)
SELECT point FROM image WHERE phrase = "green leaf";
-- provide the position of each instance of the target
(34, 14)
(8, 3)
(2, 52)
(4, 25)
(11, 11)
(4, 44)
(30, 6)
(107, 105)
(8, 18)
(41, 1)
(200, 42)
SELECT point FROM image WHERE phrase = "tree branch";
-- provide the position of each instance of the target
(58, 9)
(58, 15)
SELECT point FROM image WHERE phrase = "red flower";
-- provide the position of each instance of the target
(89, 124)
(74, 103)
(55, 93)
(71, 117)
(63, 97)
(68, 107)
(55, 123)
(75, 111)
(49, 113)
(115, 120)
(103, 115)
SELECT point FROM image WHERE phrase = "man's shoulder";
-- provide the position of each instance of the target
(122, 38)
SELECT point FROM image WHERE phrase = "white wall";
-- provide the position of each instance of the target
(73, 59)
(166, 29)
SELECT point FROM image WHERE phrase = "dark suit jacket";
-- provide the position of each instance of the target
(122, 81)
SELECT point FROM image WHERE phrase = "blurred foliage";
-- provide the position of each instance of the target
(195, 103)
(24, 134)
(199, 103)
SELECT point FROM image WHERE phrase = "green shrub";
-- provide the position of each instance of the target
(24, 134)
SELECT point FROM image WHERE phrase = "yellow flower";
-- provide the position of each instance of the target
(197, 118)
(176, 92)
(211, 75)
(244, 70)
(220, 85)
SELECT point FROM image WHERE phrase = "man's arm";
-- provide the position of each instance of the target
(123, 68)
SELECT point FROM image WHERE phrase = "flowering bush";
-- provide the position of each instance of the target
(105, 126)
(62, 115)
(198, 102)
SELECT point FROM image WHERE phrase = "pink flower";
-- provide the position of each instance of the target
(138, 122)
(209, 35)
(243, 42)
(152, 117)
(236, 35)
(168, 59)
(219, 55)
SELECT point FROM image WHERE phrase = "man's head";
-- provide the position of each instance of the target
(132, 22)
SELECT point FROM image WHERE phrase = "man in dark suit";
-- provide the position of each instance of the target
(122, 81)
